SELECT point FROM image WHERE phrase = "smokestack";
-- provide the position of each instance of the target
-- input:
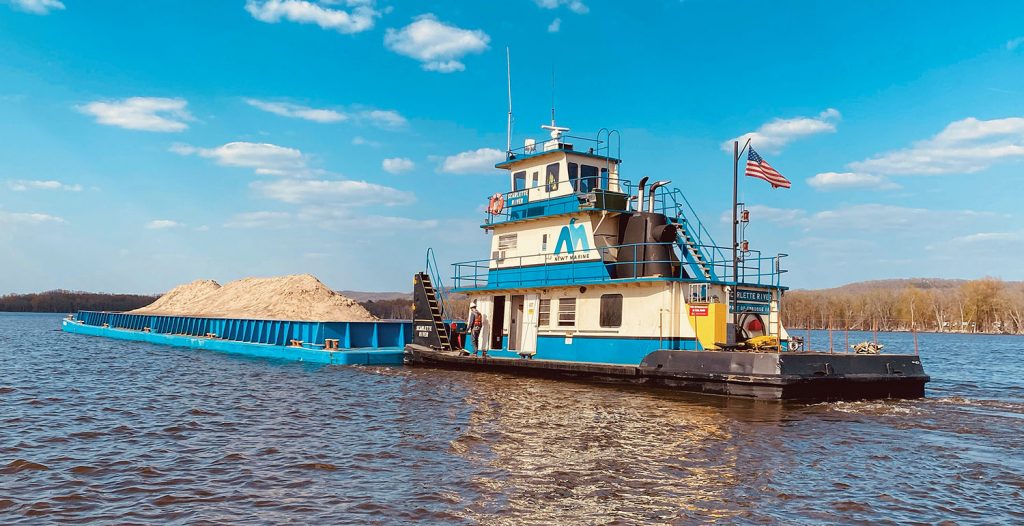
(640, 194)
(651, 194)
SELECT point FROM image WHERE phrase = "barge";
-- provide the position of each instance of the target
(329, 343)
(593, 276)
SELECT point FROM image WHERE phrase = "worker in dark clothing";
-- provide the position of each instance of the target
(475, 325)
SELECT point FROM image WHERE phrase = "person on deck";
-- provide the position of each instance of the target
(475, 324)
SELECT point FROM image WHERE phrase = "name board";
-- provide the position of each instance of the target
(698, 310)
(518, 198)
(758, 308)
(423, 331)
(757, 296)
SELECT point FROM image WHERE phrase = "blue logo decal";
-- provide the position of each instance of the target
(571, 237)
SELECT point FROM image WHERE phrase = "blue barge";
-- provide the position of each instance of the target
(330, 343)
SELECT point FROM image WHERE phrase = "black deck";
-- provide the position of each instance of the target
(804, 376)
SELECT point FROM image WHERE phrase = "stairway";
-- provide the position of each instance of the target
(426, 299)
(692, 250)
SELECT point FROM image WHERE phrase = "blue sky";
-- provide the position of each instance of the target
(144, 144)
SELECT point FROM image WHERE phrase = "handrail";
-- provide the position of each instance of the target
(539, 146)
(432, 269)
(539, 269)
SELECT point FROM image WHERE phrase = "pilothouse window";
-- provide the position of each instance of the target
(574, 176)
(551, 179)
(588, 178)
(519, 181)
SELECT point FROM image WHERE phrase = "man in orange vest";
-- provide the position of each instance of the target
(475, 325)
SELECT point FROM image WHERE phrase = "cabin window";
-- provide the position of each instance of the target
(588, 178)
(535, 180)
(519, 180)
(574, 176)
(544, 313)
(567, 312)
(551, 179)
(604, 179)
(611, 310)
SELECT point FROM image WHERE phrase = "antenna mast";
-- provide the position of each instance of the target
(508, 67)
(552, 95)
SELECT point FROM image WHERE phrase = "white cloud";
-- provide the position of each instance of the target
(359, 18)
(437, 45)
(363, 141)
(23, 185)
(29, 218)
(299, 112)
(864, 217)
(964, 146)
(781, 216)
(849, 180)
(265, 159)
(576, 6)
(397, 165)
(258, 220)
(1014, 43)
(334, 192)
(386, 119)
(775, 134)
(163, 224)
(38, 7)
(335, 218)
(988, 237)
(472, 161)
(555, 25)
(141, 113)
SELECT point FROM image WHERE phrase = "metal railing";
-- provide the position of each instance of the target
(434, 272)
(537, 270)
(564, 143)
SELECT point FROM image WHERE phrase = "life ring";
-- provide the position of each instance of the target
(496, 204)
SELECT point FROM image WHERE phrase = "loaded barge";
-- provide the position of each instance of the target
(329, 343)
(592, 276)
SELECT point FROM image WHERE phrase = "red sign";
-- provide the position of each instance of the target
(698, 310)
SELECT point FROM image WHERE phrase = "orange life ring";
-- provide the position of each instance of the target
(496, 204)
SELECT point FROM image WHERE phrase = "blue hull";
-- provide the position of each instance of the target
(377, 355)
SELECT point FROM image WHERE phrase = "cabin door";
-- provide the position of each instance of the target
(528, 342)
(497, 322)
(515, 336)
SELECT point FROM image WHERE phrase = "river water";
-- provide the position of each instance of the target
(106, 431)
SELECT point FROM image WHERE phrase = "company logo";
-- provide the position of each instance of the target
(573, 237)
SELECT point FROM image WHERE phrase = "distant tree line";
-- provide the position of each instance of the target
(986, 305)
(401, 309)
(72, 301)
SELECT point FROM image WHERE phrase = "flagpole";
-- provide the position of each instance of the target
(735, 204)
(736, 151)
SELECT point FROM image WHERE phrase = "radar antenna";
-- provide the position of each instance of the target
(508, 140)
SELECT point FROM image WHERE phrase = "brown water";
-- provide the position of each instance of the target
(97, 430)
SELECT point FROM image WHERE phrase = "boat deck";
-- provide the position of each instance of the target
(813, 376)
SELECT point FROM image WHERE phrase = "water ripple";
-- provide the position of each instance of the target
(96, 430)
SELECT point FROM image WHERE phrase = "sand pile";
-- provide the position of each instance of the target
(298, 297)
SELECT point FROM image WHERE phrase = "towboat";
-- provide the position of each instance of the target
(592, 276)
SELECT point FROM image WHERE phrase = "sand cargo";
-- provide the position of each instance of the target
(291, 317)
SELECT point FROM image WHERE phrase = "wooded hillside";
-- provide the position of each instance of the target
(72, 301)
(983, 305)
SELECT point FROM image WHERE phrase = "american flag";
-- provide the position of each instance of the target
(758, 167)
